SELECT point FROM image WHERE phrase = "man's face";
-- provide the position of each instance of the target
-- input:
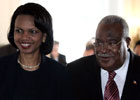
(110, 47)
(55, 51)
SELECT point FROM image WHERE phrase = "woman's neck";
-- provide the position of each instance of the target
(30, 59)
(29, 62)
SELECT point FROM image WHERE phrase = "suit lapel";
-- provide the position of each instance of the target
(128, 86)
(99, 83)
(96, 82)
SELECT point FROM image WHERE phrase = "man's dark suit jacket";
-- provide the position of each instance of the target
(7, 50)
(61, 59)
(87, 79)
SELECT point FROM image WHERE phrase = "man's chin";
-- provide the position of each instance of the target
(106, 66)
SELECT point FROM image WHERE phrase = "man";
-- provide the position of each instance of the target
(137, 48)
(56, 55)
(90, 49)
(7, 50)
(91, 75)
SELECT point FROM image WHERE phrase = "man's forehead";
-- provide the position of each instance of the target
(109, 31)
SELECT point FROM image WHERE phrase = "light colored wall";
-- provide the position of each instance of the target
(7, 8)
(76, 18)
(132, 16)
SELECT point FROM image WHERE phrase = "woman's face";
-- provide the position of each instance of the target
(27, 36)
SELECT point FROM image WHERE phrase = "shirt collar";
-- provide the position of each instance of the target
(123, 69)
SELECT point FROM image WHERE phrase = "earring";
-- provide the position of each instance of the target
(43, 40)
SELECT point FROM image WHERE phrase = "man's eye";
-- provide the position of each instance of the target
(111, 43)
(98, 44)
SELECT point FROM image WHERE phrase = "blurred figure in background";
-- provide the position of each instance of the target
(89, 48)
(7, 50)
(137, 48)
(56, 55)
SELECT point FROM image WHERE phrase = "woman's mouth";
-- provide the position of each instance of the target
(26, 45)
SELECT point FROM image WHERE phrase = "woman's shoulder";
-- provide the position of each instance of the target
(52, 63)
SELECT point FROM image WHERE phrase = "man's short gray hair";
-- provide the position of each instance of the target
(111, 19)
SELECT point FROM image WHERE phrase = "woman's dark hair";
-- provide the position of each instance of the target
(42, 20)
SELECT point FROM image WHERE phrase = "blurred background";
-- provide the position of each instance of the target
(75, 21)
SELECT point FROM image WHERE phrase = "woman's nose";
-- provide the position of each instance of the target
(25, 35)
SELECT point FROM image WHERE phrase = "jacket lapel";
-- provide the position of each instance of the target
(130, 88)
(96, 82)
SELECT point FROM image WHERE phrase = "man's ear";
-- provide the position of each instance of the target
(128, 41)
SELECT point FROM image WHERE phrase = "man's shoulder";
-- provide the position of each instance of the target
(82, 63)
(7, 62)
(8, 58)
(52, 64)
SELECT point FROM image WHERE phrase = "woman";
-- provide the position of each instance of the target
(29, 74)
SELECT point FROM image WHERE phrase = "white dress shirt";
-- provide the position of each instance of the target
(119, 78)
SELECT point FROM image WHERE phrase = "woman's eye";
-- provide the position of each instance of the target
(33, 31)
(18, 31)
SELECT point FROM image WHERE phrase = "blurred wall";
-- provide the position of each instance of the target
(132, 16)
(75, 21)
(7, 7)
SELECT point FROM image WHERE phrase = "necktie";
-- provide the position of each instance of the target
(111, 90)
